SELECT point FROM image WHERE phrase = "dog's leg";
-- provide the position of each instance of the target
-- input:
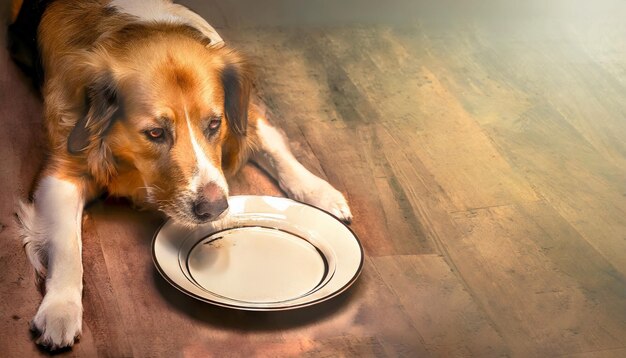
(274, 156)
(52, 237)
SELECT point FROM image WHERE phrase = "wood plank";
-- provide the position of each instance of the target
(607, 353)
(101, 313)
(600, 281)
(547, 307)
(564, 143)
(426, 118)
(341, 346)
(449, 321)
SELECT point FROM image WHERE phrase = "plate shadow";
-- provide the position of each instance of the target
(240, 320)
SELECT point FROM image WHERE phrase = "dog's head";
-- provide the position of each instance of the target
(170, 115)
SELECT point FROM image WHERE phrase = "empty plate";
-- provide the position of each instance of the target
(268, 253)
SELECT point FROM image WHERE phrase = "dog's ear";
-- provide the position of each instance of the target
(237, 82)
(102, 107)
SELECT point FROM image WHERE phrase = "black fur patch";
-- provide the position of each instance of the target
(23, 38)
(102, 109)
(236, 98)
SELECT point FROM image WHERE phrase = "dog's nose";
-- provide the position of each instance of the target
(206, 210)
(211, 203)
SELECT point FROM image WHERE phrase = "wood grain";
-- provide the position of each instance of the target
(481, 147)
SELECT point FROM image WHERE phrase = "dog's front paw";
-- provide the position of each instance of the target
(58, 321)
(320, 193)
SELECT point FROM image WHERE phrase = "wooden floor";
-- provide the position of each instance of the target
(484, 158)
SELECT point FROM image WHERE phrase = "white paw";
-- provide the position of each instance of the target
(320, 193)
(58, 321)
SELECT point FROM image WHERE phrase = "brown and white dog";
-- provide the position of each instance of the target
(143, 100)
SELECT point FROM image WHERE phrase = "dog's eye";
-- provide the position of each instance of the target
(214, 124)
(155, 134)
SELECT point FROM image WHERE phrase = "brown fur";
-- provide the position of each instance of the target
(107, 81)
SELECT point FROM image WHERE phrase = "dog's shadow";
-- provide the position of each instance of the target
(239, 320)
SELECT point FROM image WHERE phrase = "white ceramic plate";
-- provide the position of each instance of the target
(267, 254)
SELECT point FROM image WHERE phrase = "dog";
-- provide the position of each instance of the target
(142, 99)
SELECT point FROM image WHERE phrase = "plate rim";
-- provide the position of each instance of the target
(333, 294)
